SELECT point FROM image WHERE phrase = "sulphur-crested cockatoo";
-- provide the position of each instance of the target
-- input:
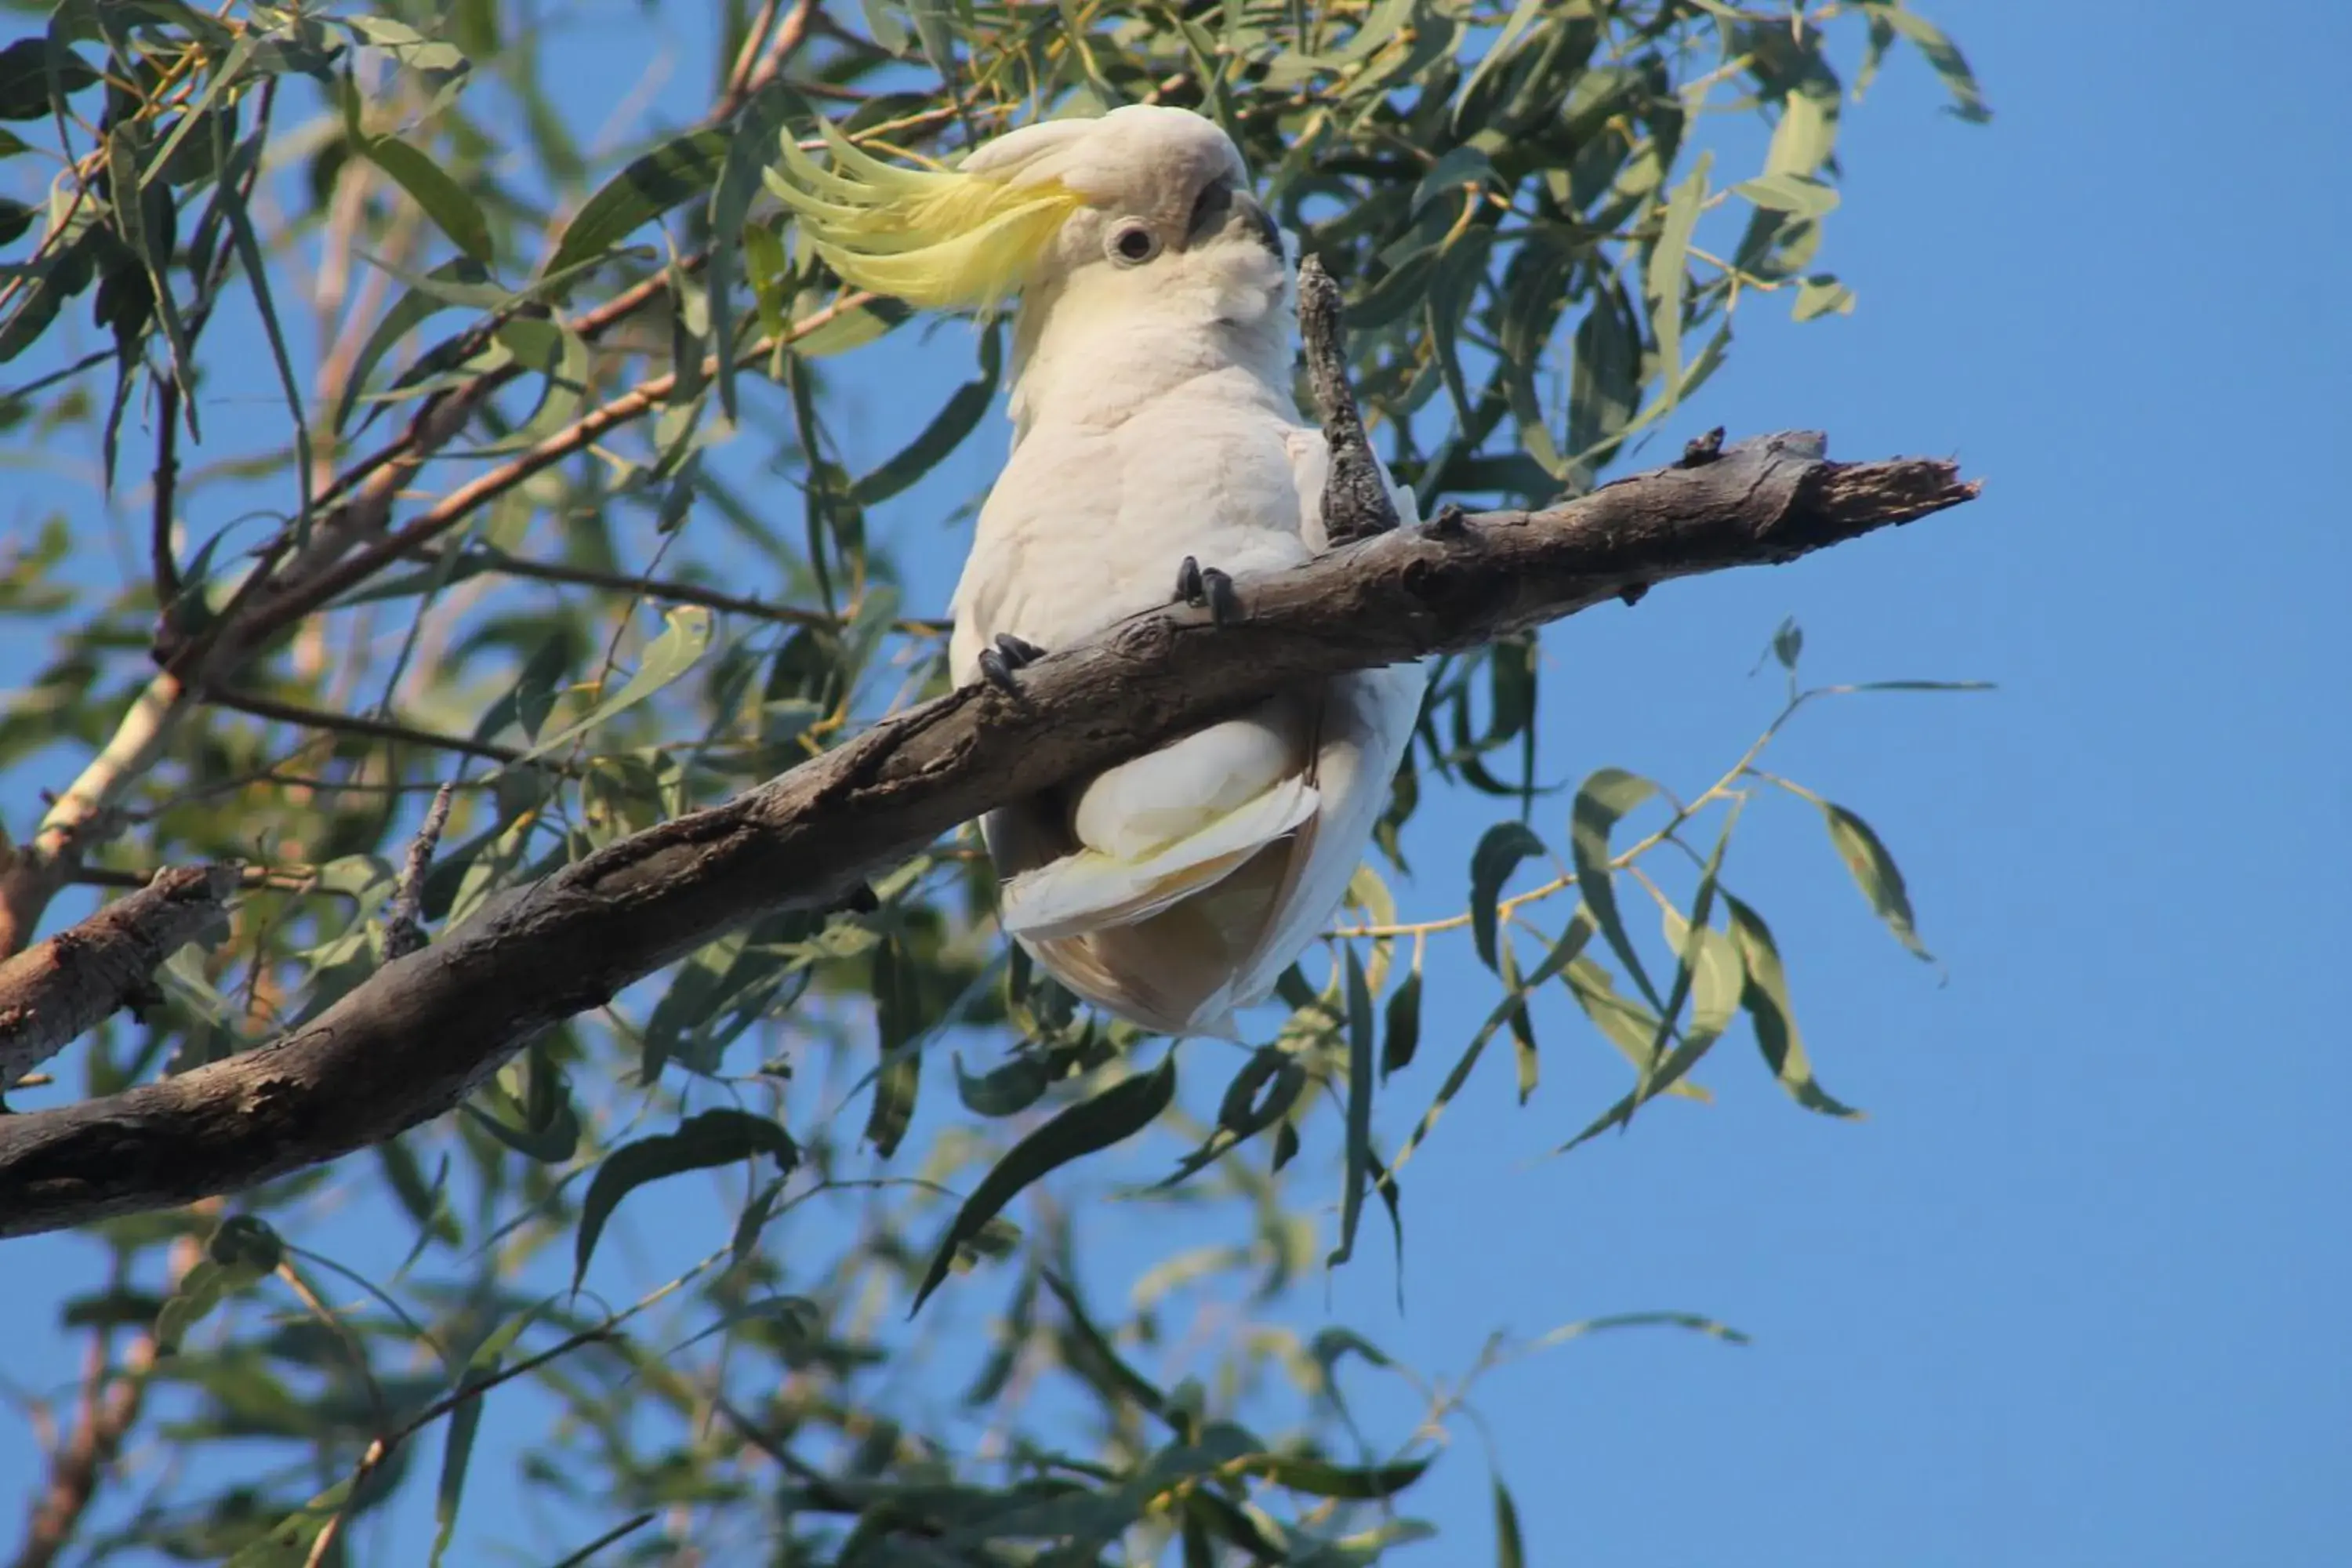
(1157, 448)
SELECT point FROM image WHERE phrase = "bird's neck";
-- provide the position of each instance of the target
(1074, 361)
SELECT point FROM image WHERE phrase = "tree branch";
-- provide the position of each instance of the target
(1356, 502)
(424, 1031)
(260, 707)
(52, 994)
(353, 511)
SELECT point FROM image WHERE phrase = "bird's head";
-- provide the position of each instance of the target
(1145, 209)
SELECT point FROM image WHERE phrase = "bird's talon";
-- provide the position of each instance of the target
(1206, 588)
(1010, 653)
(1224, 604)
(1019, 652)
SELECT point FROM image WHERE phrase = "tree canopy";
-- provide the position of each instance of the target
(482, 484)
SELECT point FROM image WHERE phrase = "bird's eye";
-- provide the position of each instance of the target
(1132, 245)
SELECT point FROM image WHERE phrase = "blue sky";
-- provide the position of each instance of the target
(2070, 1294)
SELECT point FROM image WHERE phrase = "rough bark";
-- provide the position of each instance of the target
(424, 1030)
(62, 988)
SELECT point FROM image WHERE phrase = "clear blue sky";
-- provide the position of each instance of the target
(2071, 1295)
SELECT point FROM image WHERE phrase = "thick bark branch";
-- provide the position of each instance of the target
(429, 1027)
(66, 985)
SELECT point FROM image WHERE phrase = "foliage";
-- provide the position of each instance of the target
(472, 451)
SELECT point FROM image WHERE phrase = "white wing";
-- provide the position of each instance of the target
(1178, 887)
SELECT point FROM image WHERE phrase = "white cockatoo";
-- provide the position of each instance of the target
(1157, 449)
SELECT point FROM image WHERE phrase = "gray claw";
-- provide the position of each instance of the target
(1010, 653)
(1201, 586)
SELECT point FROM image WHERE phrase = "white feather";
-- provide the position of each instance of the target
(1154, 419)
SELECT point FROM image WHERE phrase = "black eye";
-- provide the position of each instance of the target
(1133, 244)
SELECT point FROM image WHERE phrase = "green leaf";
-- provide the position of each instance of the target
(406, 44)
(1605, 797)
(1562, 957)
(1261, 1094)
(1510, 1549)
(1456, 169)
(1007, 1090)
(1874, 872)
(445, 201)
(1799, 194)
(1605, 379)
(1523, 17)
(409, 313)
(1788, 643)
(24, 78)
(1400, 1036)
(707, 1138)
(561, 357)
(1523, 1028)
(1692, 944)
(898, 1019)
(590, 1553)
(946, 431)
(1112, 1117)
(456, 1455)
(1348, 1483)
(1916, 686)
(677, 171)
(748, 149)
(1764, 993)
(1821, 295)
(1669, 256)
(1715, 995)
(678, 649)
(1129, 1385)
(1498, 854)
(1360, 1108)
(1942, 55)
(256, 277)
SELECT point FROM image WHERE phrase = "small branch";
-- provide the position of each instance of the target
(310, 594)
(83, 817)
(404, 930)
(262, 707)
(756, 67)
(421, 1033)
(51, 994)
(160, 563)
(665, 589)
(111, 1396)
(1356, 499)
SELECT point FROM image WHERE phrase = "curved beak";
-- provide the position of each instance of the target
(1225, 212)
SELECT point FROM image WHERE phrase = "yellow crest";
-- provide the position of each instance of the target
(933, 238)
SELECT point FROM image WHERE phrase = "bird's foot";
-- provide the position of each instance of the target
(1010, 653)
(1200, 587)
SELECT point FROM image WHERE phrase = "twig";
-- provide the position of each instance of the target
(404, 931)
(52, 993)
(413, 1038)
(111, 1398)
(470, 1390)
(314, 591)
(1356, 499)
(356, 507)
(261, 707)
(756, 67)
(166, 569)
(285, 875)
(662, 588)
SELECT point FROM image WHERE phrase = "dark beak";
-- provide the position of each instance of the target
(1248, 213)
(1221, 210)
